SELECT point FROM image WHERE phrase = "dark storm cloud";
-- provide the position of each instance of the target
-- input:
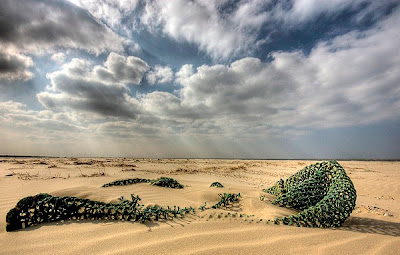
(14, 66)
(9, 64)
(41, 25)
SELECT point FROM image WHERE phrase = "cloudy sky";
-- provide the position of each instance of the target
(199, 78)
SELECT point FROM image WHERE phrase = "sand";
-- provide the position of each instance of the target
(373, 228)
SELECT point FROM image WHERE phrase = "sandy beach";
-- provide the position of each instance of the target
(373, 227)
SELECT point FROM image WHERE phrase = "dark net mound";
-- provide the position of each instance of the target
(322, 192)
(216, 184)
(167, 182)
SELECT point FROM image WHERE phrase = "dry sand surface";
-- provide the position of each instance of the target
(373, 228)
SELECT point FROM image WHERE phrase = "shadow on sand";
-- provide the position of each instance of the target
(367, 225)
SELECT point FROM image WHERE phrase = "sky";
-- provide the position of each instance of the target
(267, 79)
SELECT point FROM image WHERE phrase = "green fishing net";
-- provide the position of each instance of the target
(323, 193)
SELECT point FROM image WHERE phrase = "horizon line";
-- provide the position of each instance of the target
(222, 158)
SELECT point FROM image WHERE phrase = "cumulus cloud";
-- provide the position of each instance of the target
(350, 80)
(101, 90)
(118, 68)
(40, 26)
(160, 74)
(14, 66)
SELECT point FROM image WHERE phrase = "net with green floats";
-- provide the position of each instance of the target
(322, 192)
(41, 208)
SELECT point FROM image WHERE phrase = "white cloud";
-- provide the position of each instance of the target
(160, 74)
(185, 72)
(307, 10)
(118, 68)
(202, 24)
(18, 117)
(225, 29)
(59, 57)
(110, 11)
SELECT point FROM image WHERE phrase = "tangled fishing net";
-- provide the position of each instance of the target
(322, 192)
(41, 208)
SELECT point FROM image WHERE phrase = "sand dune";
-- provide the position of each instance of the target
(373, 228)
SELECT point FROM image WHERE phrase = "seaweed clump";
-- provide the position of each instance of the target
(41, 208)
(216, 184)
(323, 193)
(166, 182)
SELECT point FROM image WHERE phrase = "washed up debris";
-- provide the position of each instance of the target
(216, 184)
(203, 207)
(126, 182)
(162, 181)
(322, 192)
(226, 199)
